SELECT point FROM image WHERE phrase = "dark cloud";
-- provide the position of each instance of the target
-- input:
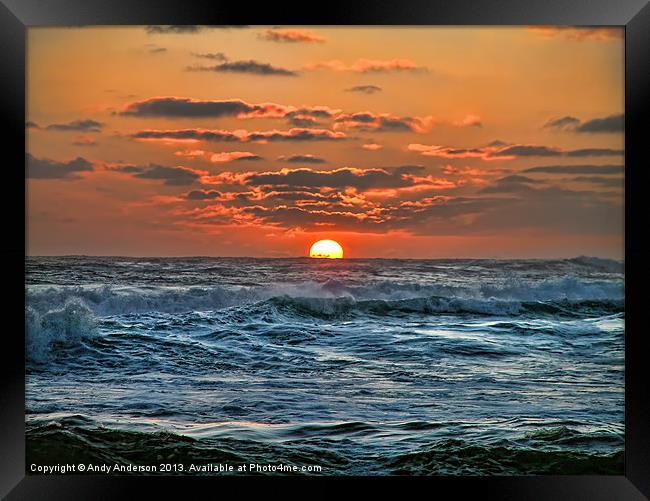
(511, 184)
(497, 150)
(253, 158)
(577, 169)
(315, 111)
(31, 125)
(222, 135)
(251, 67)
(203, 195)
(187, 28)
(214, 56)
(183, 107)
(371, 122)
(609, 181)
(365, 89)
(497, 143)
(157, 50)
(172, 176)
(555, 209)
(179, 107)
(305, 159)
(198, 134)
(345, 199)
(174, 28)
(297, 135)
(314, 219)
(521, 150)
(303, 121)
(612, 123)
(361, 179)
(78, 126)
(594, 152)
(36, 168)
(566, 122)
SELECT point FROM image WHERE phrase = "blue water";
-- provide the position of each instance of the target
(364, 366)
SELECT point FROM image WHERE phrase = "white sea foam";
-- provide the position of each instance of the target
(116, 300)
(65, 326)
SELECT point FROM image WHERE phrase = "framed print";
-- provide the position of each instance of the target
(390, 244)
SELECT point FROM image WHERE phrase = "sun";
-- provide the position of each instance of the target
(326, 249)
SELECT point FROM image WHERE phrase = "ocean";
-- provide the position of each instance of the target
(327, 367)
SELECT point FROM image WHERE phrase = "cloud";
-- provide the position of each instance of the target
(577, 169)
(347, 177)
(402, 198)
(305, 159)
(203, 195)
(308, 116)
(579, 33)
(297, 134)
(502, 151)
(522, 150)
(232, 156)
(370, 66)
(469, 121)
(475, 174)
(171, 176)
(612, 123)
(609, 182)
(157, 50)
(214, 56)
(510, 184)
(187, 135)
(372, 146)
(565, 122)
(43, 168)
(172, 28)
(77, 126)
(365, 89)
(372, 122)
(31, 125)
(291, 36)
(482, 152)
(182, 107)
(84, 141)
(251, 67)
(186, 28)
(594, 152)
(191, 153)
(193, 135)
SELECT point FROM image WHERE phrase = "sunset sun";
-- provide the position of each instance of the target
(326, 249)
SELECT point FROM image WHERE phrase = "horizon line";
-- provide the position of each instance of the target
(188, 256)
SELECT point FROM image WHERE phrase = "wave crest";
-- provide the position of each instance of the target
(341, 307)
(66, 326)
(116, 300)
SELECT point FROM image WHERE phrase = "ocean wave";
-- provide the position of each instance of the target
(506, 295)
(65, 326)
(341, 307)
(599, 263)
(457, 457)
(339, 448)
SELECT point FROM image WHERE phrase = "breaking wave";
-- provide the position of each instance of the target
(506, 296)
(58, 327)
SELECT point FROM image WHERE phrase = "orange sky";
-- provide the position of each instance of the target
(257, 141)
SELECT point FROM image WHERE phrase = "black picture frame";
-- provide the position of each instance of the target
(17, 15)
